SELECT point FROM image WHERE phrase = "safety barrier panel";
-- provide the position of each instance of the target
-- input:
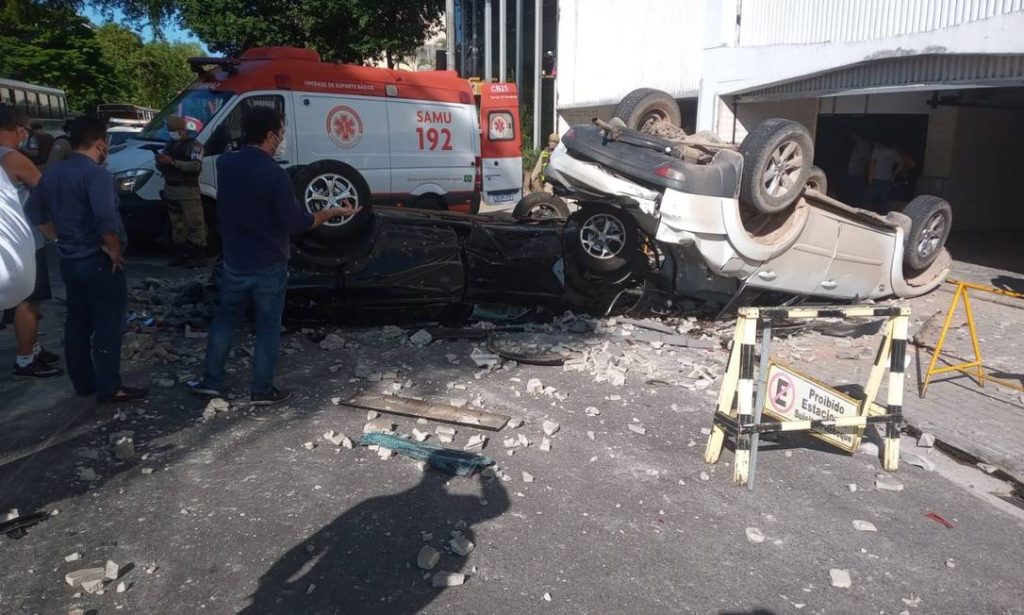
(975, 367)
(791, 398)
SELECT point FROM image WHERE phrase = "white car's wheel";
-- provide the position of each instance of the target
(777, 156)
(606, 238)
(931, 219)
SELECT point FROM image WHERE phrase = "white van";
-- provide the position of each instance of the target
(368, 135)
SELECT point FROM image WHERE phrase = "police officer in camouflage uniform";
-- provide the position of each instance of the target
(181, 161)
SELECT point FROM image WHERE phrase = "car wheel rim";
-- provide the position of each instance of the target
(650, 118)
(331, 190)
(783, 169)
(603, 236)
(931, 235)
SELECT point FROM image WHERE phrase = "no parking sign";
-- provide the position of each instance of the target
(791, 396)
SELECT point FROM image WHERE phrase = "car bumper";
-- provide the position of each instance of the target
(144, 220)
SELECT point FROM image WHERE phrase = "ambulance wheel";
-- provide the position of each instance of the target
(541, 206)
(330, 183)
(605, 238)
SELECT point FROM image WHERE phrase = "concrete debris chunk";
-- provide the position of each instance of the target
(545, 445)
(458, 402)
(379, 426)
(428, 557)
(550, 428)
(515, 423)
(852, 487)
(704, 476)
(484, 359)
(987, 468)
(864, 526)
(309, 445)
(534, 386)
(509, 442)
(522, 440)
(926, 440)
(421, 338)
(638, 429)
(755, 535)
(950, 563)
(419, 436)
(73, 557)
(112, 570)
(840, 578)
(527, 477)
(591, 435)
(546, 597)
(372, 414)
(592, 411)
(336, 401)
(917, 460)
(384, 453)
(93, 586)
(475, 443)
(448, 579)
(332, 341)
(87, 474)
(887, 483)
(84, 575)
(338, 439)
(868, 448)
(445, 433)
(461, 546)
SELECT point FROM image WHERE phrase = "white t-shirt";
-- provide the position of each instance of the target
(17, 248)
(884, 159)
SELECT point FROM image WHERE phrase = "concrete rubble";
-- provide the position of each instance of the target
(550, 428)
(754, 535)
(926, 440)
(428, 558)
(461, 546)
(917, 460)
(840, 578)
(887, 483)
(475, 443)
(421, 338)
(637, 429)
(448, 579)
(85, 575)
(338, 439)
(864, 526)
(445, 433)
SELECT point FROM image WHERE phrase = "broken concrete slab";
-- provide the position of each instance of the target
(550, 427)
(421, 338)
(534, 386)
(840, 578)
(637, 429)
(887, 483)
(926, 440)
(515, 423)
(448, 579)
(527, 477)
(112, 570)
(545, 445)
(428, 557)
(864, 526)
(72, 557)
(475, 443)
(84, 575)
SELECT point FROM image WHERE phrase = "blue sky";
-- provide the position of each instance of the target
(171, 31)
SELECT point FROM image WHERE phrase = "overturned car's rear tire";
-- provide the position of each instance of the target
(605, 240)
(647, 105)
(330, 183)
(931, 219)
(817, 181)
(777, 156)
(541, 206)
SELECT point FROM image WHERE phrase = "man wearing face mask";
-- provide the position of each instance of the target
(75, 202)
(257, 212)
(181, 161)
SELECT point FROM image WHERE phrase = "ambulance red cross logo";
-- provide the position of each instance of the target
(781, 392)
(344, 127)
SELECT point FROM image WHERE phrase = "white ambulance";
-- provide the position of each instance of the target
(358, 134)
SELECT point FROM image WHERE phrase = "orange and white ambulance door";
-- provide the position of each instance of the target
(500, 144)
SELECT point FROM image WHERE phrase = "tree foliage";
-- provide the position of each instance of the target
(147, 74)
(49, 44)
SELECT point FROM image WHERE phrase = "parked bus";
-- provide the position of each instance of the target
(124, 111)
(40, 102)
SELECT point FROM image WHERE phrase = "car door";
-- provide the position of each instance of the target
(803, 268)
(861, 264)
(500, 144)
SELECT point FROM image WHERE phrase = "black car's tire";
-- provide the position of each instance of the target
(931, 219)
(330, 183)
(777, 156)
(605, 238)
(645, 105)
(541, 206)
(816, 180)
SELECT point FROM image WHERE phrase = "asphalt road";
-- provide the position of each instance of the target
(237, 516)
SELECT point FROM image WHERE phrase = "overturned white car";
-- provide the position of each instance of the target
(758, 213)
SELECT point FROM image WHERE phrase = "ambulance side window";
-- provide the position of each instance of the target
(227, 137)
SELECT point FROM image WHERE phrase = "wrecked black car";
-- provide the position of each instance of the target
(409, 263)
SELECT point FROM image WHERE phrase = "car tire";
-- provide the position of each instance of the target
(777, 156)
(816, 180)
(541, 206)
(604, 238)
(331, 183)
(931, 219)
(645, 105)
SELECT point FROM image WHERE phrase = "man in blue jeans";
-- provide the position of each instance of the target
(257, 211)
(76, 206)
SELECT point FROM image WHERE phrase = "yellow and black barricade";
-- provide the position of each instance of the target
(739, 414)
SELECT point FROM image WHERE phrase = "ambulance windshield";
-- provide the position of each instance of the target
(197, 106)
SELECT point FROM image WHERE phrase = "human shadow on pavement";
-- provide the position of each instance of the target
(365, 560)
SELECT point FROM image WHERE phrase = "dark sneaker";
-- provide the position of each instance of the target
(275, 396)
(36, 369)
(125, 394)
(47, 358)
(200, 388)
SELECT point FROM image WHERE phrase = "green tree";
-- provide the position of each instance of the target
(147, 74)
(49, 44)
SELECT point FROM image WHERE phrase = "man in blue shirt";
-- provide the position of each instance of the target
(257, 211)
(76, 204)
